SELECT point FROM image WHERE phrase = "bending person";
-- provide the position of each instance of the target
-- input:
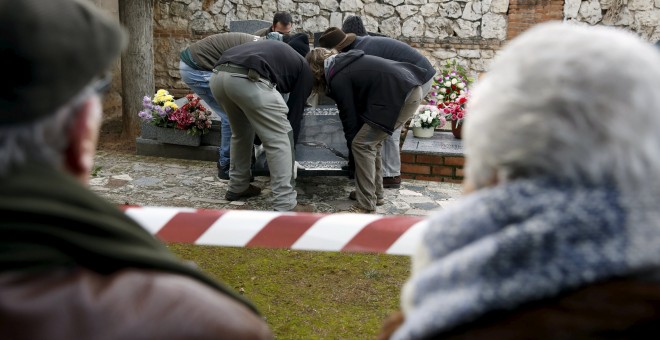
(196, 68)
(392, 49)
(375, 96)
(249, 83)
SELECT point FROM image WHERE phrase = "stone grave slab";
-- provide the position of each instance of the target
(248, 26)
(443, 143)
(321, 147)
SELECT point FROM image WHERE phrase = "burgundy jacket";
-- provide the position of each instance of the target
(77, 303)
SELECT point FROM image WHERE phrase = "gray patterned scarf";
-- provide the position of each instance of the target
(523, 241)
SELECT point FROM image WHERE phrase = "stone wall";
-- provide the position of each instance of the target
(471, 31)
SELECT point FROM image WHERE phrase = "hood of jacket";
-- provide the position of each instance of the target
(342, 60)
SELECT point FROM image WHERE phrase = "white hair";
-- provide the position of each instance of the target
(575, 103)
(44, 141)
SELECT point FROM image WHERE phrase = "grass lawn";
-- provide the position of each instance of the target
(309, 295)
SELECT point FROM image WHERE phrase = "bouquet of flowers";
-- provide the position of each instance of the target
(192, 116)
(450, 91)
(454, 110)
(428, 116)
(158, 109)
(162, 111)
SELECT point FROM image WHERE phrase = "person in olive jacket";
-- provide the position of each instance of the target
(72, 265)
(375, 96)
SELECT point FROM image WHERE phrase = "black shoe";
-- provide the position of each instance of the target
(251, 191)
(392, 182)
(223, 172)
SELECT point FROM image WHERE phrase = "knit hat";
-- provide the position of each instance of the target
(58, 47)
(354, 24)
(335, 38)
(299, 42)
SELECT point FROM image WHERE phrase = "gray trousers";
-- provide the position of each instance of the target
(366, 150)
(391, 153)
(257, 107)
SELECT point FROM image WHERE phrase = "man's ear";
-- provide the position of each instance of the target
(82, 138)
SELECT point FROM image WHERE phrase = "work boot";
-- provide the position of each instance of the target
(379, 200)
(300, 207)
(392, 182)
(356, 209)
(251, 191)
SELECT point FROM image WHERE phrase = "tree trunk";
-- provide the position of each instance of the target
(137, 62)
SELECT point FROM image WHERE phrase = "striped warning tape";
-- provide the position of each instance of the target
(397, 235)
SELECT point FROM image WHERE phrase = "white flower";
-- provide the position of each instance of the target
(454, 81)
(443, 90)
(448, 83)
(461, 85)
(452, 96)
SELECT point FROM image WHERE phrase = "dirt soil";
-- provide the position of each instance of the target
(110, 138)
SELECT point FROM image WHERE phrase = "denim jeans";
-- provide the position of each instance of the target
(198, 81)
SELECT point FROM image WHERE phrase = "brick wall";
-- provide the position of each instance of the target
(523, 14)
(432, 167)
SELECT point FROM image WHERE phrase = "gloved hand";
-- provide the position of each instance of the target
(296, 166)
(258, 150)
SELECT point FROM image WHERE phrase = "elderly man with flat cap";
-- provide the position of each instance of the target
(72, 265)
(387, 48)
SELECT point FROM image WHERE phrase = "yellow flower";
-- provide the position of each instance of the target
(162, 92)
(171, 104)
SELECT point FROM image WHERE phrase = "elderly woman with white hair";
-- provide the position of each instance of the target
(559, 236)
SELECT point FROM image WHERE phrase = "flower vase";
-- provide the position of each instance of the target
(176, 136)
(456, 129)
(422, 132)
(148, 131)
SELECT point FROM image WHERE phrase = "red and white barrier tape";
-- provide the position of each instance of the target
(396, 235)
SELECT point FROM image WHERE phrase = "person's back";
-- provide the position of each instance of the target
(207, 51)
(283, 66)
(371, 89)
(393, 49)
(72, 265)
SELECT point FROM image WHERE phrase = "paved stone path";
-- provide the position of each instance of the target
(154, 181)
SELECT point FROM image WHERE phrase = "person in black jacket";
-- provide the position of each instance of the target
(249, 81)
(375, 96)
(387, 48)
